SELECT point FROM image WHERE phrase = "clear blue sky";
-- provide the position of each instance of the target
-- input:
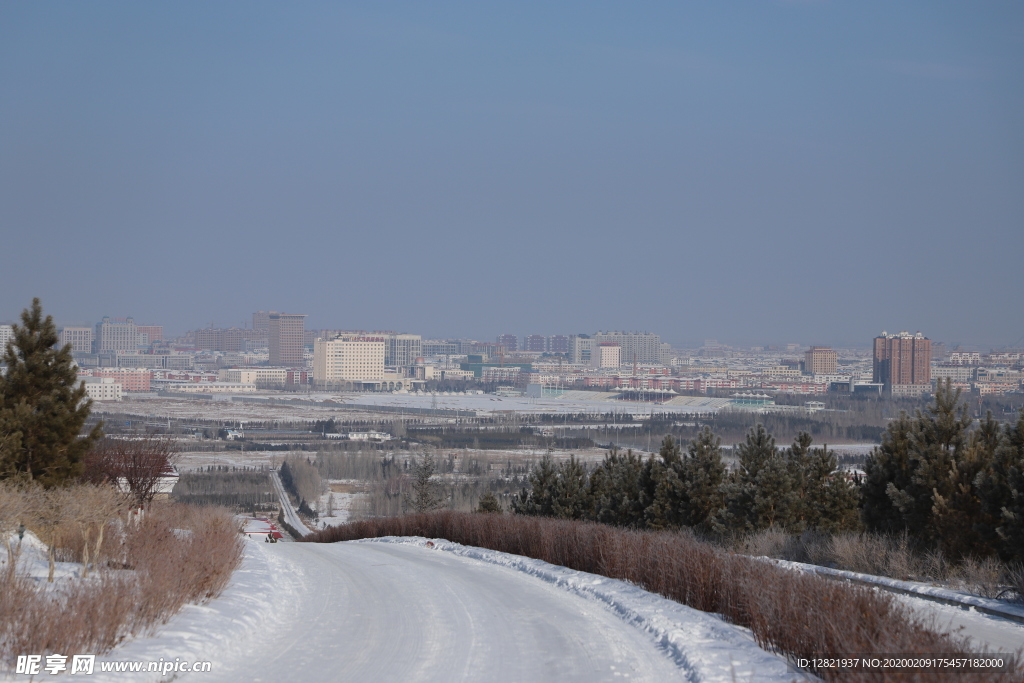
(756, 172)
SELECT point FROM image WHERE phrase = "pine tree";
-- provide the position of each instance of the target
(42, 406)
(888, 465)
(615, 490)
(702, 475)
(424, 492)
(831, 499)
(1001, 492)
(489, 503)
(571, 499)
(537, 499)
(744, 510)
(666, 490)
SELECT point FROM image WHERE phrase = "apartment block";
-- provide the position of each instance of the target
(401, 350)
(637, 347)
(348, 361)
(902, 360)
(116, 334)
(509, 341)
(286, 337)
(821, 360)
(606, 355)
(80, 338)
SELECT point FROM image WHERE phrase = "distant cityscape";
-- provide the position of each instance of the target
(119, 356)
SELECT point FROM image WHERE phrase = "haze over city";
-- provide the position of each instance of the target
(758, 173)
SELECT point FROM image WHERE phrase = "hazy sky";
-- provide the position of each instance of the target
(756, 172)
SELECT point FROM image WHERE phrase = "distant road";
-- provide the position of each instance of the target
(290, 515)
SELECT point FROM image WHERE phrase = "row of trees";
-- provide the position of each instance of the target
(796, 488)
(950, 483)
(945, 481)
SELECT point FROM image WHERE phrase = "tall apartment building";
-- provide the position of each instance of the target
(535, 343)
(261, 321)
(6, 334)
(902, 362)
(116, 334)
(509, 341)
(347, 361)
(639, 347)
(149, 334)
(286, 338)
(216, 339)
(401, 350)
(80, 339)
(558, 343)
(821, 360)
(580, 348)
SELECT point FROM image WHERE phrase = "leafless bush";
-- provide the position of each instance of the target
(166, 557)
(134, 464)
(983, 577)
(796, 614)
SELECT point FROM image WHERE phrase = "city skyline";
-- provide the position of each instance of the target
(776, 172)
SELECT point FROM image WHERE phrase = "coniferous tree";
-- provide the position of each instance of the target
(743, 510)
(615, 490)
(702, 475)
(538, 498)
(424, 496)
(1001, 491)
(571, 499)
(667, 495)
(831, 500)
(888, 465)
(42, 406)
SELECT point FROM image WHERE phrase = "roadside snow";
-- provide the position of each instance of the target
(707, 648)
(987, 605)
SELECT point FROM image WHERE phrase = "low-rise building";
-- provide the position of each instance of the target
(102, 388)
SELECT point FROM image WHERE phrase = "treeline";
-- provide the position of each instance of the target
(945, 482)
(732, 426)
(797, 488)
(949, 484)
(301, 478)
(242, 489)
(494, 439)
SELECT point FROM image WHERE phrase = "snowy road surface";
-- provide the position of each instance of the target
(290, 515)
(986, 632)
(379, 611)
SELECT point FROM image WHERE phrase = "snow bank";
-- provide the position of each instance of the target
(219, 631)
(707, 648)
(988, 605)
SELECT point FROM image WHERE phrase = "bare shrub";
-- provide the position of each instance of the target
(1014, 576)
(134, 464)
(14, 511)
(796, 614)
(173, 554)
(983, 577)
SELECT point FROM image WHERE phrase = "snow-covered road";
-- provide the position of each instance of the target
(405, 611)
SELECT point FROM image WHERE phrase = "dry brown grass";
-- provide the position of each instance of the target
(146, 570)
(796, 614)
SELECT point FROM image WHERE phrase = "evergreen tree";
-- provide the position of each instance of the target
(924, 477)
(424, 492)
(744, 510)
(702, 475)
(571, 499)
(615, 490)
(489, 503)
(831, 500)
(1000, 488)
(667, 493)
(538, 497)
(888, 465)
(42, 406)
